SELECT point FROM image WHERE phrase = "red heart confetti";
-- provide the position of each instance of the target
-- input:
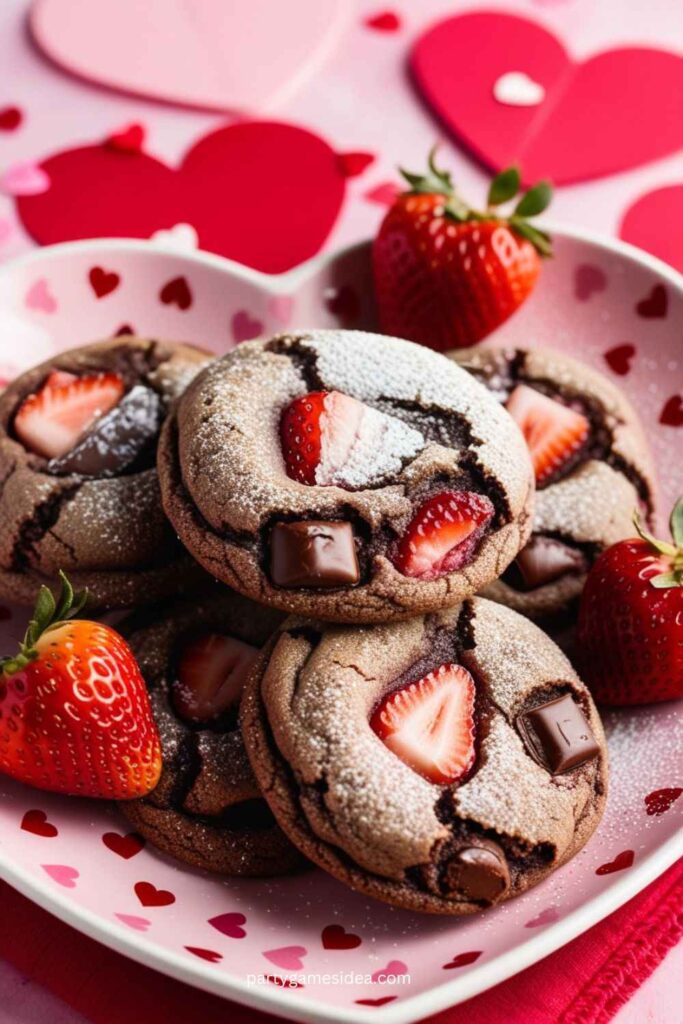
(384, 21)
(123, 846)
(150, 896)
(128, 140)
(229, 924)
(622, 860)
(123, 330)
(619, 358)
(672, 412)
(36, 823)
(205, 954)
(587, 280)
(334, 936)
(654, 306)
(462, 959)
(383, 194)
(659, 801)
(353, 164)
(10, 119)
(102, 281)
(380, 1001)
(176, 292)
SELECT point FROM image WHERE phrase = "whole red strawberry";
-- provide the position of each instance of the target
(74, 712)
(630, 630)
(447, 275)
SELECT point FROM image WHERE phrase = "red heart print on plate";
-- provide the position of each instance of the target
(176, 292)
(381, 1001)
(244, 327)
(150, 896)
(547, 916)
(587, 280)
(622, 860)
(672, 412)
(655, 305)
(229, 924)
(647, 224)
(581, 128)
(205, 954)
(272, 223)
(619, 358)
(335, 936)
(124, 846)
(659, 801)
(10, 119)
(36, 823)
(103, 282)
(462, 960)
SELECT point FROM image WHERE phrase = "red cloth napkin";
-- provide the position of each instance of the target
(586, 980)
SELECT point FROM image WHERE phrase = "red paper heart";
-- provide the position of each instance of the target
(128, 140)
(205, 954)
(621, 861)
(176, 292)
(619, 358)
(103, 281)
(353, 164)
(383, 194)
(123, 846)
(385, 21)
(380, 1001)
(672, 413)
(334, 936)
(10, 119)
(616, 110)
(647, 224)
(229, 924)
(655, 305)
(246, 189)
(150, 896)
(462, 959)
(659, 801)
(36, 822)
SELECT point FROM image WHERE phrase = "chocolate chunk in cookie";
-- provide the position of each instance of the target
(313, 554)
(478, 872)
(557, 735)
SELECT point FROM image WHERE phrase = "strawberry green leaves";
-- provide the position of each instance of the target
(46, 614)
(504, 186)
(673, 553)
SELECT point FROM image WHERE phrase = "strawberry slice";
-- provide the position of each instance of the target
(51, 421)
(552, 431)
(212, 672)
(329, 438)
(429, 724)
(443, 534)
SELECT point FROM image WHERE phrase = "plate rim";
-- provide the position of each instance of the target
(288, 1003)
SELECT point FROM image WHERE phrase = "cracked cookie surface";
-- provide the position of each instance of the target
(226, 488)
(105, 528)
(207, 809)
(588, 503)
(368, 818)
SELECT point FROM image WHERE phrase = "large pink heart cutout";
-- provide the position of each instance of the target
(571, 121)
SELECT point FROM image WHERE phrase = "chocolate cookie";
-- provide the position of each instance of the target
(345, 475)
(78, 437)
(443, 764)
(207, 809)
(593, 468)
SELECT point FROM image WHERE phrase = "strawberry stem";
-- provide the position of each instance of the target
(47, 614)
(673, 552)
(503, 188)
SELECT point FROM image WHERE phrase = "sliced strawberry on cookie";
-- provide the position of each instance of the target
(429, 724)
(331, 439)
(51, 421)
(212, 671)
(443, 534)
(553, 432)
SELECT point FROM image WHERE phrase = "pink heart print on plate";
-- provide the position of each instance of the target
(40, 297)
(140, 924)
(289, 958)
(217, 55)
(62, 874)
(617, 109)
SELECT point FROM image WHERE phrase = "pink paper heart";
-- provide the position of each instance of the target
(547, 916)
(616, 110)
(140, 924)
(39, 297)
(24, 179)
(280, 308)
(229, 924)
(62, 874)
(394, 967)
(647, 224)
(245, 327)
(206, 55)
(289, 958)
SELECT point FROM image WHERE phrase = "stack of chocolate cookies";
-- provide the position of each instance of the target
(327, 683)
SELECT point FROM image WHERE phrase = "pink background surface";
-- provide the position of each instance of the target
(360, 99)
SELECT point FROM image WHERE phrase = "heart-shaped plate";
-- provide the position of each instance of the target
(603, 301)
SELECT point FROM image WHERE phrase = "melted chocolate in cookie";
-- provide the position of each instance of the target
(543, 560)
(479, 872)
